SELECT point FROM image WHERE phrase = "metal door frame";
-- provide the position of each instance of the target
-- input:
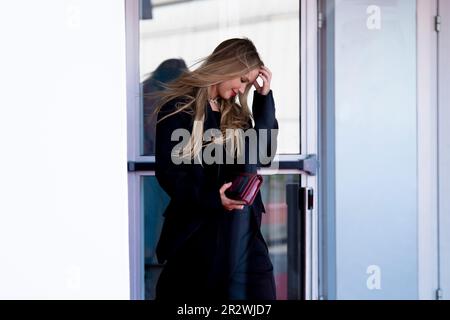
(443, 161)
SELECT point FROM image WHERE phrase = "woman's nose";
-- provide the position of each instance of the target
(242, 88)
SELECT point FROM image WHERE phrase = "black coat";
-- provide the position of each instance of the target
(194, 189)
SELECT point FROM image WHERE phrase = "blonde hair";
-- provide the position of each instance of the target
(230, 59)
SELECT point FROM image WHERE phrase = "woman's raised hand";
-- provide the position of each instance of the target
(266, 76)
(230, 204)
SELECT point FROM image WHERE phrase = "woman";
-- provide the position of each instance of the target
(212, 245)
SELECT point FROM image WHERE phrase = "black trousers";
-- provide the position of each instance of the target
(253, 278)
(187, 277)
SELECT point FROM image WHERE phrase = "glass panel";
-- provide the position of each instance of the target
(154, 201)
(273, 227)
(371, 108)
(190, 30)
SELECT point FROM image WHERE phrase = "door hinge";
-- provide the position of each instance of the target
(437, 23)
(320, 20)
(439, 294)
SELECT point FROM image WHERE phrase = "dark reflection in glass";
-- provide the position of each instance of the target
(155, 200)
(167, 71)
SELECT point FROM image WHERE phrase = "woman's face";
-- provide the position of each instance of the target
(232, 87)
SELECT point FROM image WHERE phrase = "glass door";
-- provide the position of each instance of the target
(369, 130)
(170, 35)
(377, 138)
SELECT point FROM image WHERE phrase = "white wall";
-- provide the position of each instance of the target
(63, 179)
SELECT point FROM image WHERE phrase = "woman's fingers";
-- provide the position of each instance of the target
(264, 72)
(235, 207)
(265, 79)
(256, 84)
(236, 202)
(267, 70)
(265, 75)
(224, 187)
(266, 85)
(230, 204)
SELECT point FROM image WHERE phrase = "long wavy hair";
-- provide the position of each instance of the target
(230, 59)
